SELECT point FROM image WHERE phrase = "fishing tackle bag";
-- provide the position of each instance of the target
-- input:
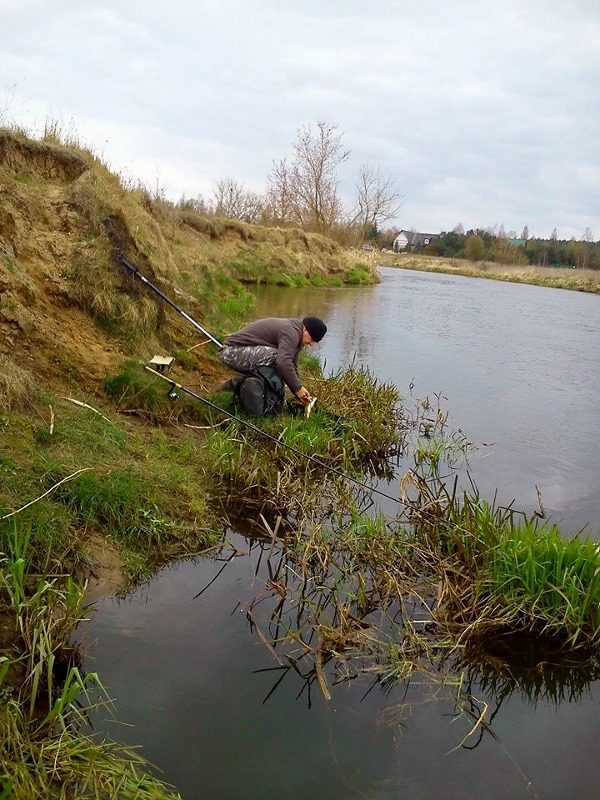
(261, 393)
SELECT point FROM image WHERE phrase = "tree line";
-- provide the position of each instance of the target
(487, 245)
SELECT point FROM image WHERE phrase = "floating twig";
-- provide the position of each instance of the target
(321, 675)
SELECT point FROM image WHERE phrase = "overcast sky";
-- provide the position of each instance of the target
(482, 112)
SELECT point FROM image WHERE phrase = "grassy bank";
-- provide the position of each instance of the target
(123, 487)
(102, 474)
(579, 280)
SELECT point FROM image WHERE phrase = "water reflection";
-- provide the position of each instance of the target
(307, 616)
(517, 364)
(537, 671)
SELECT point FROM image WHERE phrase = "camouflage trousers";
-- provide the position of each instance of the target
(245, 359)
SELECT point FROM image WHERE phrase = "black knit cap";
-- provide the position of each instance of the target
(316, 327)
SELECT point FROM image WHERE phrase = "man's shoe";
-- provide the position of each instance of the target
(230, 385)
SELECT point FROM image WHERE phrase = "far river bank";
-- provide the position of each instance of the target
(579, 280)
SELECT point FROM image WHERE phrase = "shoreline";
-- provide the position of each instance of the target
(578, 280)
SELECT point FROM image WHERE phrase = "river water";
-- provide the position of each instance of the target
(517, 369)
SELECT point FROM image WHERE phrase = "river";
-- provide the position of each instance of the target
(518, 371)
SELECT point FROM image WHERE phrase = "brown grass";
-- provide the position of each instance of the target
(17, 386)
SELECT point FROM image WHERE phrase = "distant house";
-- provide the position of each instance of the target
(411, 240)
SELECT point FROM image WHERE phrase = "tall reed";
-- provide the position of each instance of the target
(44, 696)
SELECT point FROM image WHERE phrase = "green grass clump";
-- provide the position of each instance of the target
(48, 525)
(136, 391)
(433, 452)
(109, 499)
(360, 275)
(134, 509)
(226, 300)
(65, 764)
(135, 388)
(504, 571)
(373, 408)
(292, 463)
(549, 583)
(44, 698)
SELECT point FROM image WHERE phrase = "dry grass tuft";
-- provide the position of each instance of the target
(96, 290)
(17, 386)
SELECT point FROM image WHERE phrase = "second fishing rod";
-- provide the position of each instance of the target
(135, 271)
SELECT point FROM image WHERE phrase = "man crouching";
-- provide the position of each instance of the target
(273, 342)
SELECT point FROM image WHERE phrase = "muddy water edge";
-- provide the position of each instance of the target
(517, 369)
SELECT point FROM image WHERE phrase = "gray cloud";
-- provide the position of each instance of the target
(482, 113)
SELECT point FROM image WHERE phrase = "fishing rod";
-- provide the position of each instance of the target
(248, 424)
(122, 260)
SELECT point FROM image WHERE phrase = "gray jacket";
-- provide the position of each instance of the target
(283, 334)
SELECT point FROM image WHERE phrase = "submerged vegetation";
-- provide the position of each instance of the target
(442, 576)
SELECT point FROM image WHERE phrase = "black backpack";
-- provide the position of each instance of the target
(260, 393)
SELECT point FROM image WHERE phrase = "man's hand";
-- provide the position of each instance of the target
(303, 395)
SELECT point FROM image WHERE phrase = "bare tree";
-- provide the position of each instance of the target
(317, 158)
(377, 200)
(232, 199)
(305, 191)
(280, 196)
(582, 248)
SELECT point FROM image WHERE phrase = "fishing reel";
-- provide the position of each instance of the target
(172, 394)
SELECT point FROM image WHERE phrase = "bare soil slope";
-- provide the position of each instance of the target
(69, 314)
(41, 330)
